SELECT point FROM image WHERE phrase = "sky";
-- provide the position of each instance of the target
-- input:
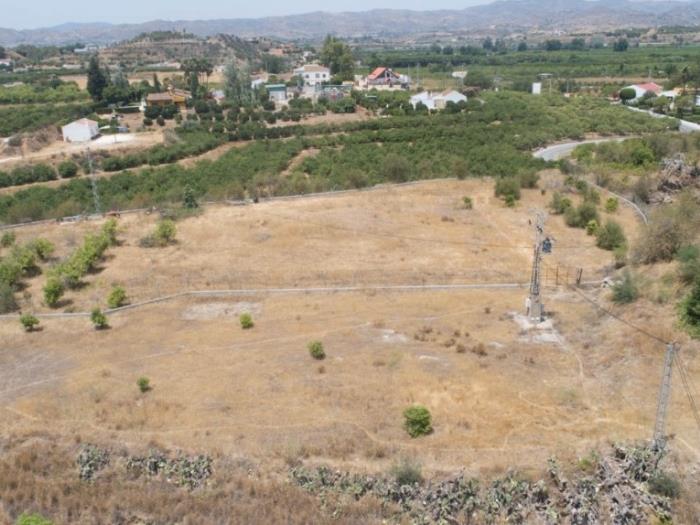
(32, 14)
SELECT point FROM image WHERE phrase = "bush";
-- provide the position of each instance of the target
(612, 204)
(42, 248)
(160, 121)
(610, 236)
(506, 186)
(29, 322)
(144, 384)
(165, 232)
(670, 228)
(592, 227)
(417, 421)
(688, 264)
(67, 169)
(559, 204)
(109, 230)
(468, 203)
(117, 297)
(406, 472)
(246, 321)
(53, 291)
(33, 519)
(99, 319)
(625, 291)
(7, 239)
(664, 485)
(8, 302)
(580, 216)
(690, 311)
(146, 122)
(316, 350)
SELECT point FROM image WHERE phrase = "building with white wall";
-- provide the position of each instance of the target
(81, 130)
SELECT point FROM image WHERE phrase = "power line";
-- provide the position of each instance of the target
(687, 386)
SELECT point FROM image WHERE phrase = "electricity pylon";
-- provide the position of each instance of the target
(536, 312)
(664, 396)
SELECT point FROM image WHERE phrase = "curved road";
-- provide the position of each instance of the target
(560, 151)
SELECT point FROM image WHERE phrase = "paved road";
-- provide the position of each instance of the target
(560, 151)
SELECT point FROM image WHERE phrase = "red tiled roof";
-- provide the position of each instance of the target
(376, 73)
(651, 86)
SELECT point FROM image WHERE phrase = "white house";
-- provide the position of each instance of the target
(437, 100)
(81, 130)
(313, 74)
(277, 92)
(641, 89)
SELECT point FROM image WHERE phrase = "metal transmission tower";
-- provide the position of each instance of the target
(93, 182)
(664, 395)
(535, 306)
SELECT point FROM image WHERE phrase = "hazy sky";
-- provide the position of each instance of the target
(27, 14)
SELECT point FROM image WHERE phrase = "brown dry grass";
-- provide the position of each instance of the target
(511, 400)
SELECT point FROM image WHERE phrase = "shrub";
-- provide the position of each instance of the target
(188, 200)
(109, 230)
(417, 421)
(612, 204)
(144, 384)
(610, 236)
(664, 485)
(7, 298)
(688, 264)
(161, 121)
(165, 232)
(147, 122)
(670, 228)
(246, 321)
(625, 291)
(406, 472)
(559, 204)
(507, 186)
(690, 310)
(42, 248)
(580, 216)
(67, 169)
(316, 350)
(33, 519)
(29, 322)
(53, 291)
(468, 203)
(99, 319)
(592, 227)
(7, 239)
(117, 297)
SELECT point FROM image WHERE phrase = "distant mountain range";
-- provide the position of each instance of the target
(505, 14)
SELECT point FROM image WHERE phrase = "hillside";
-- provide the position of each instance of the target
(505, 14)
(503, 395)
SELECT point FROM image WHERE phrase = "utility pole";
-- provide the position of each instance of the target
(536, 308)
(659, 441)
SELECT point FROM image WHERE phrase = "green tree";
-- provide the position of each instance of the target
(237, 84)
(316, 350)
(625, 291)
(337, 55)
(99, 319)
(117, 297)
(610, 236)
(188, 200)
(144, 384)
(97, 81)
(53, 291)
(246, 321)
(67, 169)
(165, 232)
(157, 87)
(29, 322)
(621, 45)
(627, 94)
(395, 168)
(417, 421)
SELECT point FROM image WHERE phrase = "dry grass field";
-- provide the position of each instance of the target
(502, 394)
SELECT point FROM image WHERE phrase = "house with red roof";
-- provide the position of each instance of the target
(648, 87)
(385, 76)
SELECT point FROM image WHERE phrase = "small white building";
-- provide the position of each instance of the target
(459, 74)
(313, 74)
(437, 100)
(537, 88)
(277, 92)
(81, 130)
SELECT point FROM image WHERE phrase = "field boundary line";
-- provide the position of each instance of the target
(292, 290)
